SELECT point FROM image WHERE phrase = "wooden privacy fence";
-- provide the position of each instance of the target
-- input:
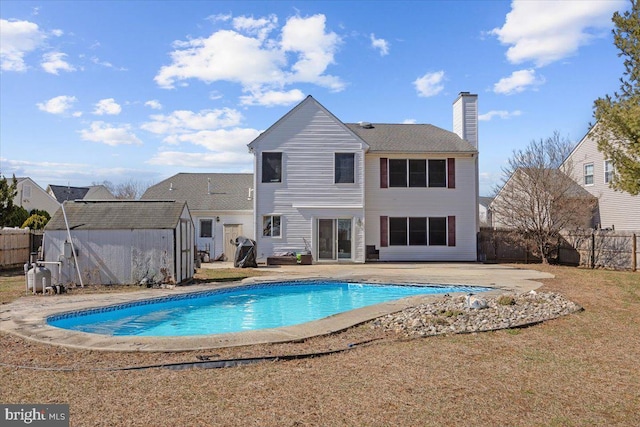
(606, 249)
(594, 249)
(16, 245)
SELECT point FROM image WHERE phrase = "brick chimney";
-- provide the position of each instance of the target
(465, 117)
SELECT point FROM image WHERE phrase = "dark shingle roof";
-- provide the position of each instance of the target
(229, 191)
(63, 192)
(117, 215)
(410, 138)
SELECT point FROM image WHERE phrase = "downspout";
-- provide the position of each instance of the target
(73, 249)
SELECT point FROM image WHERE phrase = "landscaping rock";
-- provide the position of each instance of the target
(471, 314)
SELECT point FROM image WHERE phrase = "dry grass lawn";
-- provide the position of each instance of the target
(579, 370)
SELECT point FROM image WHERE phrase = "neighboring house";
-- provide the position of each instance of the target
(121, 242)
(561, 202)
(351, 192)
(31, 196)
(616, 209)
(221, 205)
(63, 193)
(484, 213)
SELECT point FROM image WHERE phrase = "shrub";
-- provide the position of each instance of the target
(35, 222)
(506, 300)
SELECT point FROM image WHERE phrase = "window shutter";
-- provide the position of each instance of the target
(451, 230)
(451, 172)
(384, 231)
(383, 173)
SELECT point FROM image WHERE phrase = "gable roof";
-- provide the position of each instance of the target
(308, 99)
(63, 192)
(228, 191)
(573, 189)
(410, 138)
(117, 215)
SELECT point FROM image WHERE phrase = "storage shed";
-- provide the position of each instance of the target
(121, 242)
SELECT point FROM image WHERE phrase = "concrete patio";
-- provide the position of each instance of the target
(27, 316)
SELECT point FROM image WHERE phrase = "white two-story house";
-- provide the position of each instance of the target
(352, 192)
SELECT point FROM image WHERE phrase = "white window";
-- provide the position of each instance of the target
(271, 167)
(271, 226)
(608, 171)
(26, 190)
(588, 174)
(345, 168)
(206, 228)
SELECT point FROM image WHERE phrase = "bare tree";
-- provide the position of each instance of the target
(129, 190)
(539, 198)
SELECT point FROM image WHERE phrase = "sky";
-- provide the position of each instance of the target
(137, 91)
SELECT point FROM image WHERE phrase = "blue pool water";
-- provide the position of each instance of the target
(241, 308)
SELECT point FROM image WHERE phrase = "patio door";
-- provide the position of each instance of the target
(334, 239)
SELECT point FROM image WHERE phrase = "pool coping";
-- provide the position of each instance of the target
(26, 317)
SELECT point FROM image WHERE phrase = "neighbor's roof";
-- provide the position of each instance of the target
(117, 215)
(410, 138)
(64, 192)
(206, 191)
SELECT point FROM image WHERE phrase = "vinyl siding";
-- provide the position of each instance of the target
(616, 209)
(37, 199)
(124, 256)
(460, 202)
(308, 139)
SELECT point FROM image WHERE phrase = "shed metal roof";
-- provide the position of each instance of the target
(206, 191)
(117, 215)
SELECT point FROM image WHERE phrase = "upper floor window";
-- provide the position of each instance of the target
(588, 174)
(608, 171)
(345, 168)
(437, 173)
(271, 167)
(417, 173)
(26, 191)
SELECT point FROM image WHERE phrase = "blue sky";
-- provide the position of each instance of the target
(138, 91)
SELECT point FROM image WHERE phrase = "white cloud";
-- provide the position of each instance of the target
(409, 122)
(202, 160)
(184, 121)
(381, 44)
(107, 106)
(259, 27)
(220, 140)
(259, 61)
(53, 62)
(57, 32)
(58, 105)
(547, 31)
(110, 135)
(273, 98)
(430, 84)
(517, 82)
(154, 104)
(17, 39)
(502, 114)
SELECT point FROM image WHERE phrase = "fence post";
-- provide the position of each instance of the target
(593, 249)
(634, 252)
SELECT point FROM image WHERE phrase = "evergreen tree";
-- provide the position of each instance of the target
(617, 117)
(7, 193)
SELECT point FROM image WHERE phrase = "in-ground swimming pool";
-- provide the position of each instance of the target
(243, 308)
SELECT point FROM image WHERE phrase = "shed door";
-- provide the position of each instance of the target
(186, 257)
(231, 231)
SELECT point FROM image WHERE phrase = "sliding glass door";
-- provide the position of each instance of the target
(334, 239)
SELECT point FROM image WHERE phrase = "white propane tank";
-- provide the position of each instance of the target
(36, 276)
